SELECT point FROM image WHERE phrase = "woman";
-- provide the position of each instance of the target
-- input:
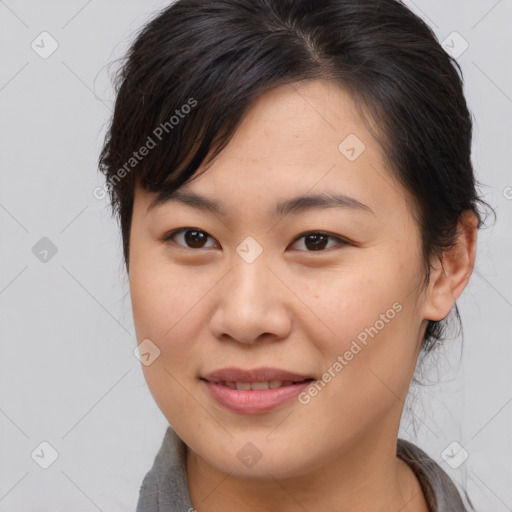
(299, 215)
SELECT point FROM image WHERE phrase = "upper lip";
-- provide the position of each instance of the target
(262, 374)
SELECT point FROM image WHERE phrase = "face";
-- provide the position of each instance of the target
(327, 292)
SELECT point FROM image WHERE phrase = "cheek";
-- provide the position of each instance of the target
(165, 311)
(354, 299)
(170, 307)
(370, 335)
(160, 293)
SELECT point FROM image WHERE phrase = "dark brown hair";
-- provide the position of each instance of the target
(196, 68)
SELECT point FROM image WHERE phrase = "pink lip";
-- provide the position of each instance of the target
(253, 401)
(263, 374)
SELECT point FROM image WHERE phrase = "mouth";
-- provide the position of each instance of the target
(255, 375)
(254, 391)
(258, 386)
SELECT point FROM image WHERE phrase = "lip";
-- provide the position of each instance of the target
(253, 401)
(262, 374)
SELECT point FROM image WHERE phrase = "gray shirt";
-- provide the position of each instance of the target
(164, 488)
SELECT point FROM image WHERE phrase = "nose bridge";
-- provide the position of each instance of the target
(249, 281)
(249, 275)
(251, 300)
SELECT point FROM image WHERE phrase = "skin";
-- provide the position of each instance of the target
(293, 308)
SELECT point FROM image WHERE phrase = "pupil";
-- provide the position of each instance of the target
(194, 238)
(318, 241)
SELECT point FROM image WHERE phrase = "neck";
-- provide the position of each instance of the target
(366, 476)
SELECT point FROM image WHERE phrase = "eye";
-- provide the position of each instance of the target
(192, 238)
(318, 240)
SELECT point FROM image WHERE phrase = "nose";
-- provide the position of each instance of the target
(252, 304)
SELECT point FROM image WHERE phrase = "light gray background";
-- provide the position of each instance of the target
(67, 372)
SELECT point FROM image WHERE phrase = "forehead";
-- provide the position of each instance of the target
(298, 139)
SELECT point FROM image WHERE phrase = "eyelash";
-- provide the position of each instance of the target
(341, 242)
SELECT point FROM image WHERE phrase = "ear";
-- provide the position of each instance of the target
(452, 271)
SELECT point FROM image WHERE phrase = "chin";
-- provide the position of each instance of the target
(252, 457)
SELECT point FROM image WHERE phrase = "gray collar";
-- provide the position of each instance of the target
(164, 488)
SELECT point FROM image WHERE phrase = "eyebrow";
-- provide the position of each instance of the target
(293, 205)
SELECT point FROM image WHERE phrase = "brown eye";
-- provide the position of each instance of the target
(190, 238)
(318, 241)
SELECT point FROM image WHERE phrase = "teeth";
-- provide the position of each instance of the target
(259, 385)
(245, 386)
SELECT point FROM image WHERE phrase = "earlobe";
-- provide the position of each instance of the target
(452, 270)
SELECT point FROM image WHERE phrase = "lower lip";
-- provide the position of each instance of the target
(254, 401)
